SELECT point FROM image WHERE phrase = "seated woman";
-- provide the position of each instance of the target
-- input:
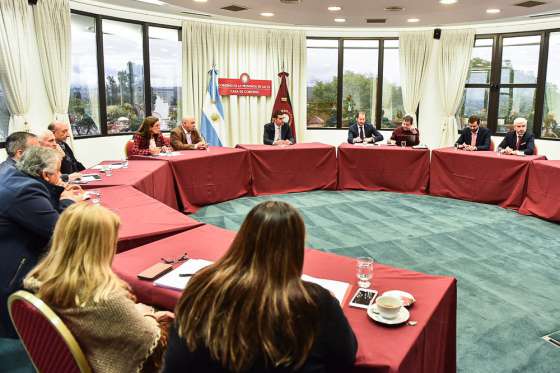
(251, 312)
(149, 140)
(406, 133)
(30, 202)
(76, 280)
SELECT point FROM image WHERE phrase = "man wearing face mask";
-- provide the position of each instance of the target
(518, 141)
(474, 137)
(30, 203)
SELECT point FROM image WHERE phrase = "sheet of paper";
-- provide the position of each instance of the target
(172, 280)
(337, 288)
(87, 178)
(172, 154)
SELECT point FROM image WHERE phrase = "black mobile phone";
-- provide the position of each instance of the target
(363, 298)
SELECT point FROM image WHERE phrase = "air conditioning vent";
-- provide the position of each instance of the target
(376, 20)
(394, 9)
(195, 14)
(235, 8)
(291, 2)
(530, 4)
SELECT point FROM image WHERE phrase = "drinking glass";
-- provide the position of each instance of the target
(108, 171)
(95, 196)
(403, 144)
(364, 271)
(125, 163)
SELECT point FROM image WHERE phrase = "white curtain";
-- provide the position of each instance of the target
(260, 52)
(15, 31)
(453, 61)
(52, 28)
(415, 50)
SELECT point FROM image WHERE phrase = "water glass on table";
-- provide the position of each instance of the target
(403, 143)
(364, 271)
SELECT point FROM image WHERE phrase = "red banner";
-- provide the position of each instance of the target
(244, 86)
(283, 103)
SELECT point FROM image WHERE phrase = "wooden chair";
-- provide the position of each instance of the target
(128, 148)
(50, 345)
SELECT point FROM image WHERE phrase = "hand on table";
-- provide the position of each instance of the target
(155, 151)
(357, 140)
(201, 146)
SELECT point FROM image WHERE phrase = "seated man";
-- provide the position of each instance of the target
(406, 133)
(518, 141)
(47, 140)
(474, 137)
(276, 132)
(16, 144)
(69, 163)
(186, 136)
(362, 132)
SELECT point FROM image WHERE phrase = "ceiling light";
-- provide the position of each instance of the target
(340, 20)
(200, 1)
(413, 20)
(493, 11)
(267, 14)
(334, 8)
(155, 2)
(447, 2)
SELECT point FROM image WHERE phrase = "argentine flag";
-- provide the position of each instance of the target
(212, 125)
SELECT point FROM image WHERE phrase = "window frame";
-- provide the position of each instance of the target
(101, 66)
(340, 80)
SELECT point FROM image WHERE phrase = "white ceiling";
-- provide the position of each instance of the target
(315, 13)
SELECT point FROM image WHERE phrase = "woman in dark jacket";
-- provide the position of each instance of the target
(251, 312)
(30, 202)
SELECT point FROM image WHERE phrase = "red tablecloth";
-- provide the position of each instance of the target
(293, 168)
(480, 176)
(143, 219)
(542, 198)
(428, 347)
(204, 177)
(152, 178)
(383, 167)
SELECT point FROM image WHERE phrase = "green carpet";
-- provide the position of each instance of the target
(507, 265)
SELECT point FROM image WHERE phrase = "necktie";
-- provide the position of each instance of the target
(518, 141)
(361, 132)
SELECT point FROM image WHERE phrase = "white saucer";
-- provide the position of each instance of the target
(402, 316)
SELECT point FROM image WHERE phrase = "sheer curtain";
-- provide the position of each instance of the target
(52, 28)
(15, 31)
(415, 50)
(260, 52)
(453, 61)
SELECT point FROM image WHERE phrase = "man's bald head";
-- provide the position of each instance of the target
(60, 130)
(188, 122)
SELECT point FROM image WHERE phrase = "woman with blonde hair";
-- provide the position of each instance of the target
(76, 280)
(251, 312)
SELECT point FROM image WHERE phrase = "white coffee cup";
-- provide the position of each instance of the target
(388, 306)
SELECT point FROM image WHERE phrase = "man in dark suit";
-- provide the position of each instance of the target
(69, 164)
(186, 136)
(16, 144)
(362, 132)
(474, 137)
(277, 132)
(518, 141)
(30, 203)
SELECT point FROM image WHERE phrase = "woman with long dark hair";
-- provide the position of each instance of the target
(251, 312)
(149, 140)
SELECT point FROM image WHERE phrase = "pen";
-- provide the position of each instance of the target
(186, 274)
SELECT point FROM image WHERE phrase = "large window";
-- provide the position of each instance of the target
(322, 83)
(4, 116)
(347, 76)
(392, 111)
(113, 88)
(83, 109)
(165, 74)
(551, 105)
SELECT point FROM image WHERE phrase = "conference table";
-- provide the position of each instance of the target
(205, 177)
(291, 168)
(542, 198)
(482, 176)
(143, 219)
(429, 346)
(383, 168)
(154, 179)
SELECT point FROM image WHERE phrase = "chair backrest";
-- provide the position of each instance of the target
(48, 342)
(128, 148)
(535, 150)
(492, 146)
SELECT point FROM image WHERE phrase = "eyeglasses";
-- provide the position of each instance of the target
(182, 258)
